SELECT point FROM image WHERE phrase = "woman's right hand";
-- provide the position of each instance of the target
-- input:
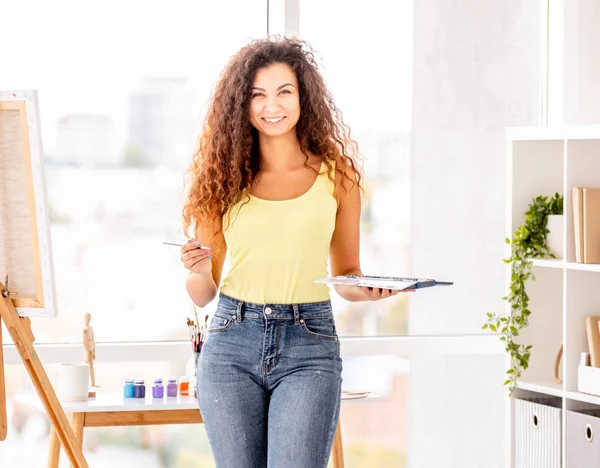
(195, 258)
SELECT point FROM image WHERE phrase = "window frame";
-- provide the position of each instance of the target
(151, 351)
(283, 19)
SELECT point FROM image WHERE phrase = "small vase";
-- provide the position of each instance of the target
(555, 238)
(191, 369)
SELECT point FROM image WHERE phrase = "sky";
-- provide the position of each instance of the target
(88, 57)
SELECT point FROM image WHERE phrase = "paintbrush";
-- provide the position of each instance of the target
(181, 245)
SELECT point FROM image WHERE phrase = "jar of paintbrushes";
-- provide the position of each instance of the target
(197, 335)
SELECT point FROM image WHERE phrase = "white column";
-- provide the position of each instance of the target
(574, 62)
(478, 67)
(283, 17)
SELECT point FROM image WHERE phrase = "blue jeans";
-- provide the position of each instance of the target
(269, 384)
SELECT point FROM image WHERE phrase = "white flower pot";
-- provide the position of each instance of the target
(555, 238)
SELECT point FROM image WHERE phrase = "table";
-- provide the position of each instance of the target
(111, 409)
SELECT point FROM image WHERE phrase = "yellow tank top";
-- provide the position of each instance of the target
(278, 248)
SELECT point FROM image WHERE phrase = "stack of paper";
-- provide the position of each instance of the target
(383, 282)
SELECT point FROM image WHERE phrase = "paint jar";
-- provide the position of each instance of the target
(172, 387)
(158, 391)
(139, 389)
(184, 385)
(128, 388)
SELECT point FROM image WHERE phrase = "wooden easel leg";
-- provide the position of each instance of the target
(3, 411)
(20, 331)
(338, 449)
(77, 420)
(54, 450)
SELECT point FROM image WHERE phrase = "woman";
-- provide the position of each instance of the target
(275, 182)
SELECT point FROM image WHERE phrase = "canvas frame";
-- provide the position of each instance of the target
(24, 224)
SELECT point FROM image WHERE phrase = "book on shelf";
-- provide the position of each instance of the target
(586, 222)
(577, 220)
(384, 282)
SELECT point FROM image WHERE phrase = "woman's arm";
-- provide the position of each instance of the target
(202, 287)
(344, 251)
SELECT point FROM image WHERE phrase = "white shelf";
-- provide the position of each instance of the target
(548, 263)
(583, 266)
(557, 263)
(547, 388)
(553, 389)
(585, 397)
(582, 132)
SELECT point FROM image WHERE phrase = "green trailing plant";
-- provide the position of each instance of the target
(528, 242)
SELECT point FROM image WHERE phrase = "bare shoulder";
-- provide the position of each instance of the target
(314, 161)
(346, 185)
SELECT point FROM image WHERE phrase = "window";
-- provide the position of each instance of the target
(374, 430)
(384, 431)
(174, 446)
(123, 88)
(365, 50)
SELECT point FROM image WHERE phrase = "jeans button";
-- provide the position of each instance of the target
(268, 310)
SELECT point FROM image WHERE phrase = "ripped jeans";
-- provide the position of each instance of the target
(269, 384)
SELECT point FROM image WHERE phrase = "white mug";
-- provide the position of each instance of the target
(73, 382)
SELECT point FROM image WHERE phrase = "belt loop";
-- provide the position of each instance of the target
(296, 314)
(238, 316)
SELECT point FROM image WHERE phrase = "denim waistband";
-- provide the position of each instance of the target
(305, 310)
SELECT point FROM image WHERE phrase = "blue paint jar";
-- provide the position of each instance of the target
(128, 388)
(139, 389)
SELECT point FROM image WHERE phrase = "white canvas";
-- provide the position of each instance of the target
(25, 246)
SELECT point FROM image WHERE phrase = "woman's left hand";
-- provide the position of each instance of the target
(375, 294)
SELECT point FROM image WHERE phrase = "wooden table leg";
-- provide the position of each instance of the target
(77, 420)
(338, 449)
(54, 452)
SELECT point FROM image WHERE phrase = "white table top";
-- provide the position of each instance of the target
(115, 402)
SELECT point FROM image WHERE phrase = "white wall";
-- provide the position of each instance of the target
(477, 69)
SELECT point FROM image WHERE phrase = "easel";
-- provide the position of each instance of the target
(19, 329)
(25, 253)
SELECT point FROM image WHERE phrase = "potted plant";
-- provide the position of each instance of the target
(529, 241)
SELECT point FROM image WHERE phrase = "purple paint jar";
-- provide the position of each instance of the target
(139, 389)
(172, 388)
(158, 391)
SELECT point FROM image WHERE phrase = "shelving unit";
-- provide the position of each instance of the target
(543, 161)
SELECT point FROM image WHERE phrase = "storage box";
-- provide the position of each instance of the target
(538, 433)
(588, 380)
(583, 439)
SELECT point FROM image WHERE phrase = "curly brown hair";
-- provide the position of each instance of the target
(227, 159)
